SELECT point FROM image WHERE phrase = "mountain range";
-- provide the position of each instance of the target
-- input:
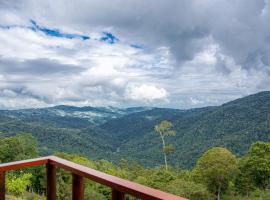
(128, 133)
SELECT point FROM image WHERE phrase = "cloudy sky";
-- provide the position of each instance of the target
(176, 53)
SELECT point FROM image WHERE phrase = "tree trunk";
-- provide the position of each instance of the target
(164, 153)
(218, 194)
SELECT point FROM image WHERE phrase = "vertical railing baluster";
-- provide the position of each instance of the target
(77, 187)
(117, 195)
(2, 185)
(51, 182)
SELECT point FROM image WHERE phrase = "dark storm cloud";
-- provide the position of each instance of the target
(22, 92)
(202, 51)
(37, 67)
(239, 27)
(242, 31)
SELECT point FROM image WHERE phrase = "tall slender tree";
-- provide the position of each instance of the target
(165, 128)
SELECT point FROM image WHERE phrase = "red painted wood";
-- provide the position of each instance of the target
(2, 185)
(77, 187)
(124, 186)
(117, 184)
(23, 164)
(116, 195)
(51, 182)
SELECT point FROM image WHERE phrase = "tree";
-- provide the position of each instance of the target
(244, 183)
(188, 189)
(258, 164)
(17, 185)
(165, 128)
(20, 147)
(216, 168)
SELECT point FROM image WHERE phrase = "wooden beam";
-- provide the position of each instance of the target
(23, 163)
(51, 182)
(77, 187)
(119, 185)
(2, 185)
(116, 195)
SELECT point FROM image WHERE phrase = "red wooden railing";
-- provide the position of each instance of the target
(119, 186)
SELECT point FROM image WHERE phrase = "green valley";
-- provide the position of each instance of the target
(113, 133)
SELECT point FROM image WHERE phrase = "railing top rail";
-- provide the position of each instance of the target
(116, 183)
(24, 163)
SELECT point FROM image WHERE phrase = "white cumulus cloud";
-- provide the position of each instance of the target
(192, 56)
(147, 93)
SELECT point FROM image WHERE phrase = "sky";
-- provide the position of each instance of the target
(123, 53)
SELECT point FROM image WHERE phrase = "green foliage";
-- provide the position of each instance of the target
(164, 128)
(21, 147)
(256, 195)
(258, 164)
(63, 185)
(216, 168)
(189, 189)
(17, 185)
(38, 182)
(113, 136)
(168, 148)
(159, 178)
(244, 182)
(235, 125)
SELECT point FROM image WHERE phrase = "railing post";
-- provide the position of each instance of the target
(51, 182)
(116, 195)
(77, 187)
(2, 185)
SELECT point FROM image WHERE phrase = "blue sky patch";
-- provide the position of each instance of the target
(109, 38)
(56, 32)
(137, 46)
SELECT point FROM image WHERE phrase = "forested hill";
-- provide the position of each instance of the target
(113, 133)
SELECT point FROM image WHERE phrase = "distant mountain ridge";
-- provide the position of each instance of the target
(95, 115)
(114, 133)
